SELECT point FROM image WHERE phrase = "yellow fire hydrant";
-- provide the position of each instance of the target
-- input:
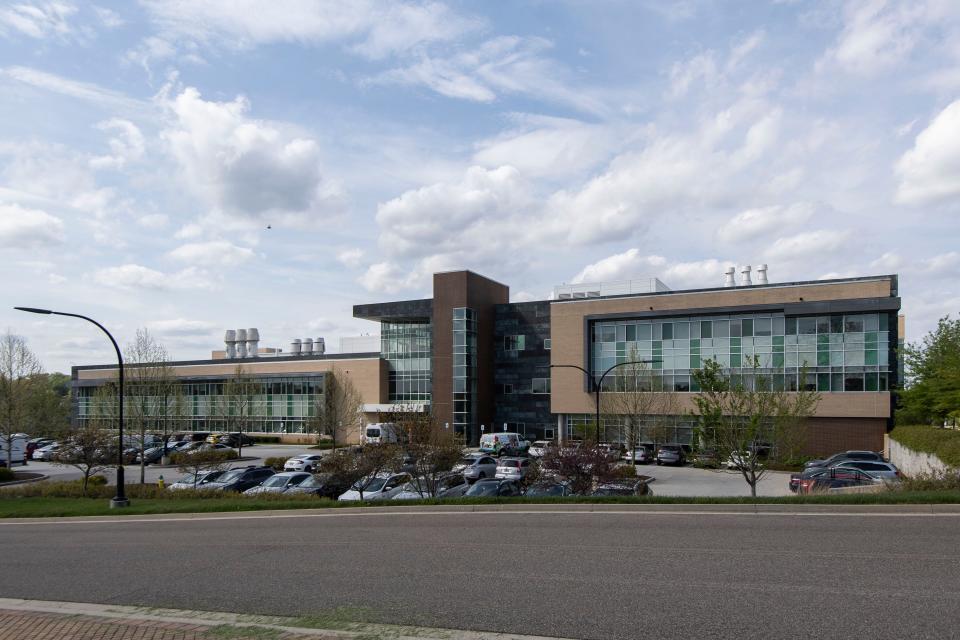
(160, 482)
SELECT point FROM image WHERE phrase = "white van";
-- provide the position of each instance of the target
(506, 443)
(18, 450)
(380, 433)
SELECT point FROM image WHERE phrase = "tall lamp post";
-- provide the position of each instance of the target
(597, 385)
(120, 500)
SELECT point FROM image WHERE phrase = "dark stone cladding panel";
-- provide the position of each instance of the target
(414, 310)
(519, 368)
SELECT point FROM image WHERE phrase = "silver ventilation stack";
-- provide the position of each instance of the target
(308, 346)
(295, 347)
(230, 344)
(729, 277)
(762, 274)
(319, 346)
(253, 342)
(241, 343)
(745, 276)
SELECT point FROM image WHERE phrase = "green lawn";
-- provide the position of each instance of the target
(37, 507)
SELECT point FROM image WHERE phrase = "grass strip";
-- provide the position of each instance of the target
(40, 507)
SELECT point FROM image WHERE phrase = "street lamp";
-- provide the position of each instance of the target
(120, 500)
(598, 385)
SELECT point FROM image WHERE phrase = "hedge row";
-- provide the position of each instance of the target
(6, 475)
(943, 443)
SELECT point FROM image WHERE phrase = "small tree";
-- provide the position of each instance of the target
(376, 459)
(338, 413)
(90, 449)
(582, 467)
(204, 460)
(434, 450)
(740, 416)
(633, 400)
(19, 373)
(149, 386)
(932, 393)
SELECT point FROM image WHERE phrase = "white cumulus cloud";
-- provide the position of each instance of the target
(930, 171)
(219, 253)
(23, 228)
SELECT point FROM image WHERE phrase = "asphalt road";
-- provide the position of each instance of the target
(589, 575)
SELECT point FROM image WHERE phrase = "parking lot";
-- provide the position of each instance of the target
(668, 481)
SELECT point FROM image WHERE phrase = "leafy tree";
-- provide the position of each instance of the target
(932, 393)
(49, 405)
(362, 465)
(19, 372)
(745, 415)
(583, 467)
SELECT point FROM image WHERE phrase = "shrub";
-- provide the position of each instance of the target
(624, 472)
(96, 481)
(6, 475)
(186, 459)
(949, 481)
(943, 443)
(275, 463)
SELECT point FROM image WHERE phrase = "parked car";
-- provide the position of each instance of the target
(548, 490)
(281, 483)
(738, 460)
(476, 467)
(240, 479)
(671, 454)
(308, 462)
(47, 452)
(492, 487)
(884, 470)
(37, 443)
(613, 450)
(191, 481)
(513, 468)
(846, 455)
(206, 446)
(644, 454)
(538, 448)
(420, 488)
(214, 437)
(835, 478)
(151, 455)
(193, 436)
(706, 459)
(456, 491)
(625, 488)
(331, 485)
(234, 439)
(382, 487)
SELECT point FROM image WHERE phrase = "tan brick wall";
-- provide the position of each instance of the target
(568, 341)
(368, 375)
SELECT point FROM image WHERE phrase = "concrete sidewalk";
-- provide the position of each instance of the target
(47, 620)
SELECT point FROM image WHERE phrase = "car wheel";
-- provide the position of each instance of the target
(482, 475)
(308, 469)
(658, 463)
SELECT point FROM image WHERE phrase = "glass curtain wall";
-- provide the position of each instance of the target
(407, 348)
(841, 353)
(465, 373)
(280, 405)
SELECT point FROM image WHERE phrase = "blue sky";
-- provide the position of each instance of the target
(146, 147)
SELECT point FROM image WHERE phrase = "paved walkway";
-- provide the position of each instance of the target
(28, 625)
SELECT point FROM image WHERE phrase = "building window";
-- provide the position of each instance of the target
(546, 344)
(541, 385)
(504, 389)
(514, 343)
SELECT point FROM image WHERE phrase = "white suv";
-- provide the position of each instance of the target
(513, 468)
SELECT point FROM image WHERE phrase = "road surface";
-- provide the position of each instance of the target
(571, 574)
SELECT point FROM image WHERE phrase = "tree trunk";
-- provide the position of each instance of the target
(239, 442)
(86, 477)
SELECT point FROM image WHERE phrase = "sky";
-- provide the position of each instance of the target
(197, 165)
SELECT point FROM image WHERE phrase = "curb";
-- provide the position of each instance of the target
(40, 476)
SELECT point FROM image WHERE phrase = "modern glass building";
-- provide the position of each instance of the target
(480, 363)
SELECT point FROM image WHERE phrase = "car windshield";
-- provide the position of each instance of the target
(275, 481)
(510, 463)
(546, 490)
(467, 461)
(230, 476)
(483, 489)
(373, 433)
(374, 484)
